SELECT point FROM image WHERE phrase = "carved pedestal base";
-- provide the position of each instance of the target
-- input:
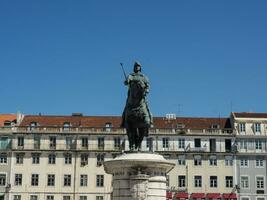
(138, 176)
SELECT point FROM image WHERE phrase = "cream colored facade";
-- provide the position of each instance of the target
(55, 143)
(70, 141)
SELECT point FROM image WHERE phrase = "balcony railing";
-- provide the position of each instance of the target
(120, 131)
(7, 129)
(47, 147)
(197, 149)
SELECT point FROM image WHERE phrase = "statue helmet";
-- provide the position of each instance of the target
(137, 64)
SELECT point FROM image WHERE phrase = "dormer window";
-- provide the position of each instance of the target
(7, 123)
(66, 126)
(33, 125)
(257, 128)
(242, 128)
(180, 125)
(215, 126)
(108, 126)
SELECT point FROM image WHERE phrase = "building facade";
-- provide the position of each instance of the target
(251, 156)
(7, 123)
(61, 157)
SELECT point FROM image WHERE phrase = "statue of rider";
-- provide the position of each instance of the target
(135, 81)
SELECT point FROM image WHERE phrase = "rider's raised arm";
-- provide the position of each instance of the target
(128, 80)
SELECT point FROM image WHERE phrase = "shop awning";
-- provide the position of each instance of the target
(169, 195)
(198, 196)
(214, 196)
(229, 196)
(181, 195)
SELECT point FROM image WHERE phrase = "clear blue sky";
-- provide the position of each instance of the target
(59, 57)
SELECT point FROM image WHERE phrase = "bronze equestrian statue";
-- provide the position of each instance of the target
(136, 117)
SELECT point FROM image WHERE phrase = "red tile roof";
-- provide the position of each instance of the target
(249, 115)
(7, 117)
(100, 121)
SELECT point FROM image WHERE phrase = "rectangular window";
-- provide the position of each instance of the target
(258, 144)
(117, 143)
(243, 145)
(181, 181)
(53, 142)
(149, 144)
(2, 179)
(35, 179)
(259, 162)
(35, 158)
(181, 160)
(19, 158)
(165, 143)
(21, 141)
(3, 158)
(84, 142)
(101, 143)
(99, 198)
(229, 181)
(83, 198)
(181, 143)
(260, 182)
(99, 180)
(84, 159)
(49, 197)
(213, 181)
(33, 197)
(36, 142)
(257, 128)
(17, 197)
(18, 179)
(51, 159)
(197, 142)
(228, 145)
(198, 181)
(51, 180)
(244, 182)
(167, 180)
(244, 163)
(100, 159)
(83, 180)
(197, 160)
(69, 144)
(228, 160)
(67, 180)
(66, 197)
(68, 158)
(213, 160)
(212, 145)
(242, 128)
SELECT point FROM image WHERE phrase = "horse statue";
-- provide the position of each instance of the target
(136, 117)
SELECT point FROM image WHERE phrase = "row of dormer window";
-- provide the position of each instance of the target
(66, 125)
(257, 128)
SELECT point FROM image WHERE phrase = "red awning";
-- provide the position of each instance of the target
(214, 196)
(169, 195)
(181, 195)
(198, 196)
(229, 196)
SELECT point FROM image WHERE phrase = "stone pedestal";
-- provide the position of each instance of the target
(138, 176)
